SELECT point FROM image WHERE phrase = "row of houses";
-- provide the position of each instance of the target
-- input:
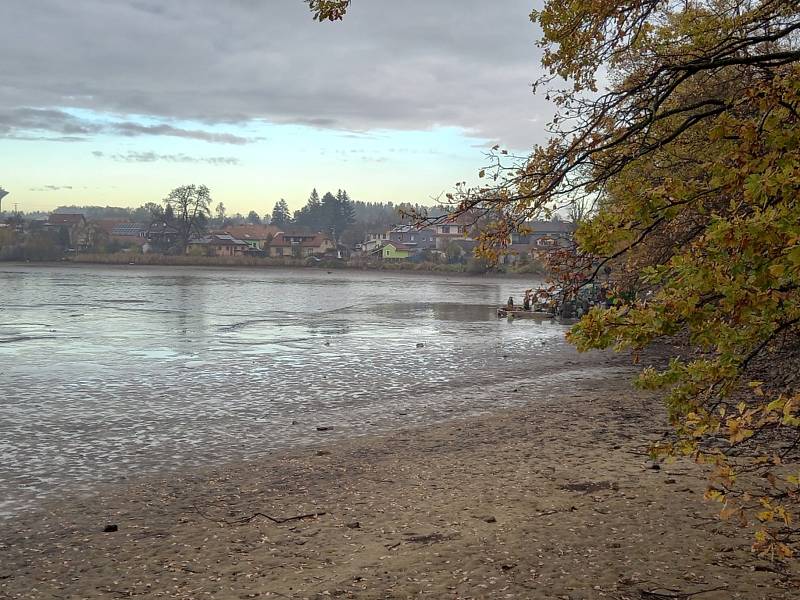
(239, 240)
(402, 242)
(263, 241)
(405, 242)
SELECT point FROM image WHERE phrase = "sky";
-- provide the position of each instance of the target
(116, 102)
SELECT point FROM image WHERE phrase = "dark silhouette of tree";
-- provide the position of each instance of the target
(339, 214)
(191, 206)
(313, 200)
(253, 218)
(151, 213)
(310, 216)
(220, 210)
(281, 217)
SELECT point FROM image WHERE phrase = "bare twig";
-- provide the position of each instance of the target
(277, 520)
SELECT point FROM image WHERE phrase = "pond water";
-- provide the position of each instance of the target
(113, 372)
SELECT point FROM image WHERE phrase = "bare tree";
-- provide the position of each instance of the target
(191, 206)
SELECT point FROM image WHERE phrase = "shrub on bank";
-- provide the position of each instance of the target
(533, 267)
(125, 258)
(473, 266)
(38, 246)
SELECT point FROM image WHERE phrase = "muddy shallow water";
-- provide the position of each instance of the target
(107, 373)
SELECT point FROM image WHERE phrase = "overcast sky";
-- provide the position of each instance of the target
(118, 101)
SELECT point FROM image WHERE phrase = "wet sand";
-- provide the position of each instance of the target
(553, 500)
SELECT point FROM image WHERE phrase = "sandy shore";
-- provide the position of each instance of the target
(555, 500)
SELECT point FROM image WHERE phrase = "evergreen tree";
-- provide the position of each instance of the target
(253, 218)
(281, 217)
(337, 214)
(346, 214)
(313, 200)
(311, 215)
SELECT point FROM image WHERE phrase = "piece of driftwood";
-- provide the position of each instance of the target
(277, 520)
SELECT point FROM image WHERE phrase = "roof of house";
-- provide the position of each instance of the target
(133, 229)
(65, 218)
(410, 229)
(397, 245)
(251, 232)
(308, 241)
(217, 239)
(106, 225)
(299, 232)
(161, 228)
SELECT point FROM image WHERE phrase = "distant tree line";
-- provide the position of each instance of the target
(347, 221)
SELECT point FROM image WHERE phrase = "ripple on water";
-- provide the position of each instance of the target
(163, 370)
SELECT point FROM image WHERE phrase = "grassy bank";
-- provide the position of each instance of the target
(471, 267)
(185, 260)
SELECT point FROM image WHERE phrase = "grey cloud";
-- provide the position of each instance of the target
(388, 65)
(174, 158)
(134, 129)
(16, 122)
(45, 138)
(320, 122)
(51, 188)
(35, 119)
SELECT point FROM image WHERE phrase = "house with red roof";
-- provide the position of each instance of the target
(216, 244)
(256, 236)
(300, 244)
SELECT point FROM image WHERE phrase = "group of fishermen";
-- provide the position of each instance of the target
(535, 300)
(558, 303)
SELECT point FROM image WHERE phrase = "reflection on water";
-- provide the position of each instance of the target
(114, 372)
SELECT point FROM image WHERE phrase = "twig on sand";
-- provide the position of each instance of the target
(554, 511)
(124, 593)
(670, 594)
(771, 569)
(277, 520)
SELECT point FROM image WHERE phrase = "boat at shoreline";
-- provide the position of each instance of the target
(519, 313)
